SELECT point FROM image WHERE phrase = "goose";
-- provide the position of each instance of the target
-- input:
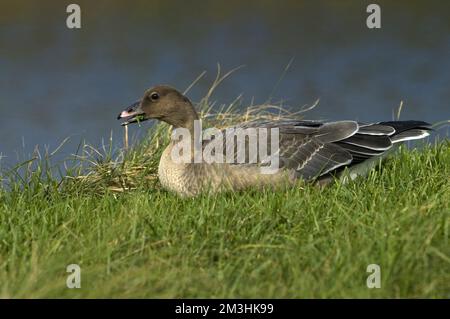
(315, 151)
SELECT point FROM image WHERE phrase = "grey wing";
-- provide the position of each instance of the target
(311, 149)
(304, 147)
(335, 145)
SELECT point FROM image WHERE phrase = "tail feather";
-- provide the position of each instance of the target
(373, 140)
(412, 134)
(408, 130)
(401, 126)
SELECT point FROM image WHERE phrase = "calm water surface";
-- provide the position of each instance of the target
(56, 82)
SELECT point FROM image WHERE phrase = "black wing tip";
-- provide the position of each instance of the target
(401, 126)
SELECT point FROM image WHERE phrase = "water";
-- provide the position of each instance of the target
(56, 82)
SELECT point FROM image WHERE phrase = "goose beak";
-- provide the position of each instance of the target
(132, 114)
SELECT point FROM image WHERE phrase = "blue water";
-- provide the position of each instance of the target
(56, 82)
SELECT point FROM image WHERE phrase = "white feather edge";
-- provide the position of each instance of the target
(410, 138)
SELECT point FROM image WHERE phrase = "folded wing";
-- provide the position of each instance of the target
(312, 149)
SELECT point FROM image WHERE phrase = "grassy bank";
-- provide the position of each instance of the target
(304, 242)
(106, 212)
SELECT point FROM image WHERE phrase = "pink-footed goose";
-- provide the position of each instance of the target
(311, 150)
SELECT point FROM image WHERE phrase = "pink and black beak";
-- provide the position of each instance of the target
(132, 114)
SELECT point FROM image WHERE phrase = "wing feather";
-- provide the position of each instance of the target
(311, 149)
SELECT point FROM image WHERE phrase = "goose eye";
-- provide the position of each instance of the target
(154, 96)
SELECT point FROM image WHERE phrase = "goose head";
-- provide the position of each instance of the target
(162, 103)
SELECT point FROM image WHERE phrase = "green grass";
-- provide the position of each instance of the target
(107, 213)
(303, 242)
